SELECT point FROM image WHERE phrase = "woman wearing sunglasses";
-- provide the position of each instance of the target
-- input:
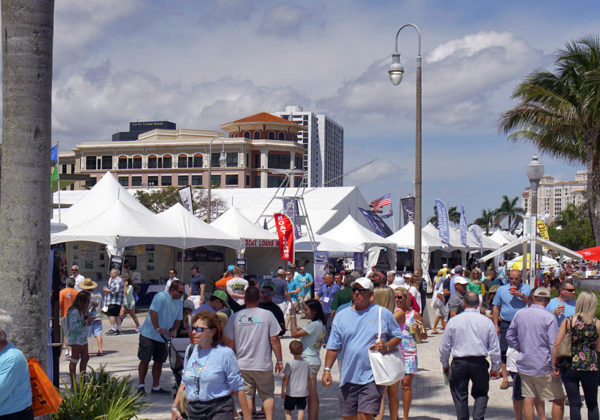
(210, 372)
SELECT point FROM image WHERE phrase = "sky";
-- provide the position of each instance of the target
(203, 63)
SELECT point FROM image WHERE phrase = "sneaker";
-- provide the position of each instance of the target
(141, 391)
(160, 391)
(119, 332)
(112, 332)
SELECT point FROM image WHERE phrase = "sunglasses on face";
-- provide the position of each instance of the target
(266, 292)
(569, 290)
(399, 297)
(359, 290)
(200, 329)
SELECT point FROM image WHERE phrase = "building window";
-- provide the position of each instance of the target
(72, 169)
(90, 182)
(153, 181)
(281, 136)
(137, 162)
(277, 161)
(124, 181)
(247, 181)
(190, 162)
(90, 163)
(166, 181)
(256, 135)
(256, 182)
(246, 134)
(274, 181)
(182, 180)
(196, 180)
(247, 163)
(215, 180)
(257, 160)
(231, 179)
(214, 160)
(298, 162)
(122, 162)
(136, 181)
(232, 160)
(106, 162)
(182, 161)
(167, 162)
(152, 162)
(197, 161)
(63, 169)
(271, 135)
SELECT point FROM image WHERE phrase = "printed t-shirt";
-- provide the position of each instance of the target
(293, 285)
(66, 297)
(304, 279)
(238, 286)
(251, 330)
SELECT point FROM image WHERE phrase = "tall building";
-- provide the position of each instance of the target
(323, 142)
(554, 196)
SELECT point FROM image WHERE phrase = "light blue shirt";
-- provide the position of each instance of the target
(470, 334)
(312, 342)
(532, 332)
(211, 373)
(205, 307)
(168, 309)
(352, 333)
(302, 280)
(15, 388)
(326, 294)
(291, 286)
(509, 304)
(569, 309)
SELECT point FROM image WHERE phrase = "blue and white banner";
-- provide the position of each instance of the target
(377, 224)
(443, 224)
(320, 267)
(290, 208)
(463, 226)
(408, 209)
(477, 233)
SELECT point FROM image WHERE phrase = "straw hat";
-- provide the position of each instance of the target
(88, 284)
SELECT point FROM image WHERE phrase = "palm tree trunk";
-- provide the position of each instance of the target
(593, 189)
(27, 30)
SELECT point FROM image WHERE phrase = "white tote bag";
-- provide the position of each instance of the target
(387, 368)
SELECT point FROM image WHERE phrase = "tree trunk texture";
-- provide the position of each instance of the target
(593, 189)
(25, 204)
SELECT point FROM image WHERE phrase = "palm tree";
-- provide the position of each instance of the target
(27, 30)
(508, 210)
(453, 216)
(560, 113)
(486, 220)
(571, 214)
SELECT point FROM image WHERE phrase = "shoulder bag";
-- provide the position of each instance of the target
(387, 368)
(46, 398)
(564, 347)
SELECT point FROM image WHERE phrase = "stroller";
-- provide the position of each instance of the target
(177, 347)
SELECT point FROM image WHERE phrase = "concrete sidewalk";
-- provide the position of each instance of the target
(431, 399)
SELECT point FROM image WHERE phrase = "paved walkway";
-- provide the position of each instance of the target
(431, 399)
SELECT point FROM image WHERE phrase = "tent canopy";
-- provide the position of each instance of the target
(405, 238)
(353, 233)
(237, 225)
(517, 246)
(323, 243)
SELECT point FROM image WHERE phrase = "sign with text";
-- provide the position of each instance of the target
(261, 243)
(285, 232)
(543, 229)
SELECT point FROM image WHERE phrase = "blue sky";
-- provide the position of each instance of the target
(204, 63)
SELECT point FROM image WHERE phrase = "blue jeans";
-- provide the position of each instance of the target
(589, 382)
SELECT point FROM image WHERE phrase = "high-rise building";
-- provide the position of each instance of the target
(323, 142)
(554, 196)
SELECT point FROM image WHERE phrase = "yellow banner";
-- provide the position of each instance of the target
(542, 229)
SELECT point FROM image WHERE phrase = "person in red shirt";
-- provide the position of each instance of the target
(222, 283)
(66, 297)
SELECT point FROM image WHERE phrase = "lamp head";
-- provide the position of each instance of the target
(222, 159)
(396, 70)
(535, 170)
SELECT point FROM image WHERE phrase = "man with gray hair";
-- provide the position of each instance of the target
(114, 301)
(470, 337)
(77, 276)
(15, 387)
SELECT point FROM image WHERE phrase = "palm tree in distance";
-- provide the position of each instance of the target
(560, 113)
(453, 216)
(508, 210)
(486, 220)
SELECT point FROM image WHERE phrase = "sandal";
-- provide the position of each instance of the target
(434, 332)
(100, 354)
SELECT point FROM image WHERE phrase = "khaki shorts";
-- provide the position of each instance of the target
(314, 370)
(546, 388)
(262, 381)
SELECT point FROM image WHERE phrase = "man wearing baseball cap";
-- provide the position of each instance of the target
(215, 303)
(455, 303)
(353, 333)
(532, 333)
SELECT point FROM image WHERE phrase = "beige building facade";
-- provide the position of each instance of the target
(554, 196)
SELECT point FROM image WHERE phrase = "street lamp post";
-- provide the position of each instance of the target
(222, 161)
(535, 171)
(396, 72)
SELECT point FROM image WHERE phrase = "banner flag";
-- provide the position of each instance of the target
(54, 154)
(285, 232)
(463, 226)
(384, 200)
(477, 233)
(408, 209)
(320, 267)
(54, 179)
(185, 194)
(442, 216)
(388, 214)
(543, 229)
(290, 208)
(377, 224)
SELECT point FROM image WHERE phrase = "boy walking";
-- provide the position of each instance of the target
(294, 388)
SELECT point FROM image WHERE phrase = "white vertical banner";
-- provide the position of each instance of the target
(185, 194)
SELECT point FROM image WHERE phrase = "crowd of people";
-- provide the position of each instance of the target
(494, 326)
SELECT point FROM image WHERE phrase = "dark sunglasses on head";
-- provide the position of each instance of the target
(359, 290)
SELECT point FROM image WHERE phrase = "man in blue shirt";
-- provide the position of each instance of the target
(509, 299)
(353, 333)
(563, 306)
(164, 316)
(306, 281)
(325, 295)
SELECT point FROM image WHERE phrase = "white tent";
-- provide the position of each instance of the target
(193, 232)
(502, 237)
(237, 225)
(323, 243)
(405, 238)
(454, 237)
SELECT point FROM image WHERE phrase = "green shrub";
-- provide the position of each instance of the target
(100, 396)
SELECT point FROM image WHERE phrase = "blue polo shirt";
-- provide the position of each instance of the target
(509, 304)
(569, 309)
(15, 388)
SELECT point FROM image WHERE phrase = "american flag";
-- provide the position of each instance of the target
(390, 213)
(382, 201)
